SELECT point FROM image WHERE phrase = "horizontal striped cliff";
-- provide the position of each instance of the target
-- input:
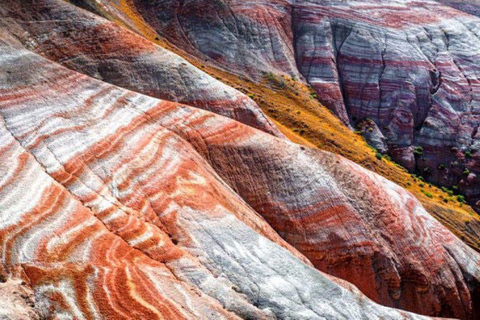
(410, 71)
(122, 205)
(110, 212)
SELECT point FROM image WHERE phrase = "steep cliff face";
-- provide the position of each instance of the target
(117, 204)
(414, 74)
(110, 193)
(410, 71)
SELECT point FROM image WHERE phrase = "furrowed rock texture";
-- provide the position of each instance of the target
(122, 205)
(470, 6)
(101, 49)
(110, 211)
(410, 66)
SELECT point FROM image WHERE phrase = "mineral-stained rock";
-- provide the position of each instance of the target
(411, 66)
(470, 6)
(89, 44)
(112, 214)
(414, 74)
(118, 204)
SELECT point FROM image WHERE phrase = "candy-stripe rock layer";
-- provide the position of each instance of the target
(115, 204)
(406, 69)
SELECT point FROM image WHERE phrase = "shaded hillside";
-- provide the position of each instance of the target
(118, 204)
(294, 106)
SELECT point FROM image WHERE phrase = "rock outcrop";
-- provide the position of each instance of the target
(409, 66)
(117, 204)
(17, 301)
(125, 192)
(112, 213)
(101, 49)
(470, 6)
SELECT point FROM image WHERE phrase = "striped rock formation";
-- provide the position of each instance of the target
(116, 204)
(410, 66)
(111, 213)
(470, 6)
(101, 49)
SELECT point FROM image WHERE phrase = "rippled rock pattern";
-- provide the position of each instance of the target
(470, 6)
(102, 49)
(118, 204)
(110, 211)
(410, 66)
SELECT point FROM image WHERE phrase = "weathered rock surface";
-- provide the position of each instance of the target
(122, 205)
(410, 66)
(110, 212)
(101, 49)
(17, 301)
(470, 6)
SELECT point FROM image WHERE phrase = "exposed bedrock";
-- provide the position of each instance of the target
(470, 6)
(160, 209)
(110, 204)
(414, 75)
(118, 204)
(99, 48)
(412, 72)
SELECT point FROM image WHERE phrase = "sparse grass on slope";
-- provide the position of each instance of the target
(299, 115)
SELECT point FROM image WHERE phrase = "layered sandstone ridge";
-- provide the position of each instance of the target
(110, 212)
(409, 66)
(103, 50)
(119, 204)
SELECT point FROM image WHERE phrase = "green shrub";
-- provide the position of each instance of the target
(275, 80)
(446, 190)
(418, 151)
(428, 194)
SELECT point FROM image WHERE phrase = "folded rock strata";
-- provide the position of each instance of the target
(110, 212)
(409, 66)
(118, 204)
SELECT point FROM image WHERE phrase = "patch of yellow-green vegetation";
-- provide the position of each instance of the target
(295, 109)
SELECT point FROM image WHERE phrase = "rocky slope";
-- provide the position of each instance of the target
(100, 226)
(470, 6)
(104, 50)
(118, 204)
(410, 71)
